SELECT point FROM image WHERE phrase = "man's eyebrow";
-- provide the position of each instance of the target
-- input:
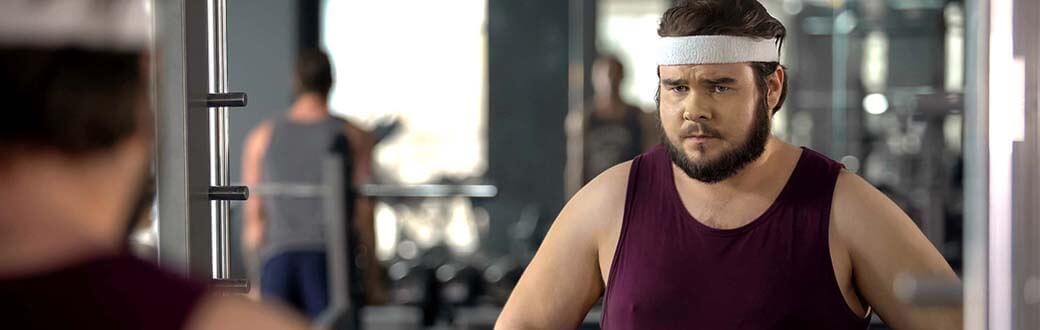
(674, 82)
(720, 81)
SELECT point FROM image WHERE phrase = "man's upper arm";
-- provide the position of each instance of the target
(884, 244)
(361, 145)
(252, 163)
(564, 279)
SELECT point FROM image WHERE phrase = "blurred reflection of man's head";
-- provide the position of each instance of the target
(607, 75)
(313, 73)
(73, 77)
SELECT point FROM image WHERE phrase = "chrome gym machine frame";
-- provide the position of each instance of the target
(190, 63)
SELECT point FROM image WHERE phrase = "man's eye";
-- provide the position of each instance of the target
(680, 89)
(719, 89)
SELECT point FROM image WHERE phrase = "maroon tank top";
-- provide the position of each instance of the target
(116, 292)
(672, 272)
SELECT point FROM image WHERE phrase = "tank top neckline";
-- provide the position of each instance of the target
(687, 218)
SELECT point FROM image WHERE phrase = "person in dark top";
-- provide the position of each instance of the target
(724, 226)
(75, 148)
(610, 130)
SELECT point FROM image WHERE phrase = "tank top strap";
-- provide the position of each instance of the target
(643, 171)
(649, 180)
(642, 202)
(812, 182)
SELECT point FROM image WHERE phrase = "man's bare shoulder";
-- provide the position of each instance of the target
(260, 133)
(609, 186)
(853, 192)
(599, 205)
(854, 201)
(863, 216)
(263, 126)
(256, 141)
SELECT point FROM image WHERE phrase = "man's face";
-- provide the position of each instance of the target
(606, 76)
(714, 120)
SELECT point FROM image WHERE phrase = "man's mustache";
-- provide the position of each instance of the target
(698, 129)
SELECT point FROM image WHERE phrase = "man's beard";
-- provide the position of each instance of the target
(731, 161)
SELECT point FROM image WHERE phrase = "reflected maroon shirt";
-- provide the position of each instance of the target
(112, 292)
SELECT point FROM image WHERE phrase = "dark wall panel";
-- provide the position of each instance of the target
(527, 95)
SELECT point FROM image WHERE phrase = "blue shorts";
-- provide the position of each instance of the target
(298, 279)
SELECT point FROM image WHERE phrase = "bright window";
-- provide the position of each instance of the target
(423, 62)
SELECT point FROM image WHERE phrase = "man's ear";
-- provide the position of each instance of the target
(775, 83)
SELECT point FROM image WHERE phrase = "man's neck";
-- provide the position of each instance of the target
(309, 107)
(761, 174)
(55, 213)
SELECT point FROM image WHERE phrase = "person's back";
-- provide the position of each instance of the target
(75, 151)
(295, 154)
(293, 250)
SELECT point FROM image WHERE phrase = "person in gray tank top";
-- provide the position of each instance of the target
(294, 155)
(288, 231)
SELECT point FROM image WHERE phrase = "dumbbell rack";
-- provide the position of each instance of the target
(191, 168)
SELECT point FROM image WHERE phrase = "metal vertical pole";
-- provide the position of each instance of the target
(581, 40)
(183, 156)
(842, 25)
(1026, 181)
(1006, 117)
(218, 131)
(340, 314)
(976, 166)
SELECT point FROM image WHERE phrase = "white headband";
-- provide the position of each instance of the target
(716, 50)
(108, 25)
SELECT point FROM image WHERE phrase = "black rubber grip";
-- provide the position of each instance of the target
(233, 99)
(229, 193)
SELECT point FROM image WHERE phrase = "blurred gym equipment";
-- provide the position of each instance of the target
(433, 283)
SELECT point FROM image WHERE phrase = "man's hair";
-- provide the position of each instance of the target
(70, 100)
(313, 71)
(612, 60)
(741, 18)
